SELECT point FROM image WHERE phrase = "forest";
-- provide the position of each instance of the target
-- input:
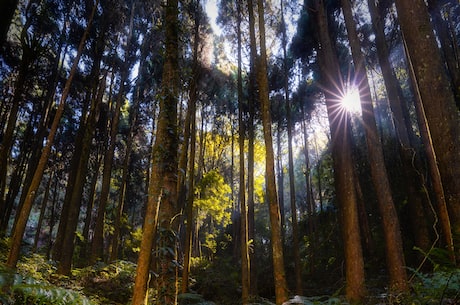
(229, 152)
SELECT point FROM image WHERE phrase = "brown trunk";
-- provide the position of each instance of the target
(343, 166)
(436, 96)
(435, 175)
(281, 291)
(245, 263)
(448, 46)
(74, 192)
(252, 100)
(162, 200)
(42, 212)
(404, 133)
(13, 255)
(390, 222)
(292, 193)
(85, 246)
(190, 132)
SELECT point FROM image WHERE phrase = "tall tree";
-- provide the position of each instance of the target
(13, 255)
(437, 98)
(97, 249)
(404, 131)
(281, 291)
(252, 101)
(190, 132)
(245, 263)
(162, 202)
(295, 227)
(390, 222)
(342, 157)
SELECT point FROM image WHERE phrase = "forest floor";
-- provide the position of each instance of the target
(36, 282)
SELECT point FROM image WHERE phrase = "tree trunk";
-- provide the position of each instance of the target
(42, 212)
(13, 255)
(281, 291)
(437, 98)
(404, 132)
(343, 167)
(448, 46)
(162, 199)
(74, 192)
(292, 196)
(245, 263)
(191, 127)
(433, 168)
(390, 222)
(252, 100)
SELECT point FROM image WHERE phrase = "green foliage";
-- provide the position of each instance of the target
(19, 289)
(109, 284)
(437, 288)
(218, 280)
(213, 198)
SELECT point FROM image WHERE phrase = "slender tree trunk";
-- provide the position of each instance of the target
(447, 46)
(86, 245)
(390, 222)
(162, 199)
(13, 255)
(404, 131)
(252, 100)
(245, 263)
(281, 291)
(191, 127)
(437, 98)
(343, 168)
(8, 134)
(295, 227)
(74, 192)
(42, 212)
(435, 175)
(52, 217)
(280, 179)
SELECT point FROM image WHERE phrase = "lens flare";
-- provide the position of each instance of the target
(350, 101)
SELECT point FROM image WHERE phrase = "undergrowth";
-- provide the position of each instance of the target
(35, 281)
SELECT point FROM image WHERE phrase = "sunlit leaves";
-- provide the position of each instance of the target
(213, 198)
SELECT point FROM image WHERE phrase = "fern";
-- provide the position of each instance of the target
(17, 289)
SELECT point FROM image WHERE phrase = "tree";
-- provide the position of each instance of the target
(18, 233)
(341, 154)
(295, 227)
(190, 132)
(404, 131)
(161, 202)
(390, 222)
(436, 96)
(245, 262)
(281, 291)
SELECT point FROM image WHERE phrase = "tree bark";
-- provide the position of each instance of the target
(162, 199)
(392, 232)
(342, 157)
(245, 263)
(437, 98)
(281, 291)
(13, 255)
(191, 127)
(404, 131)
(292, 196)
